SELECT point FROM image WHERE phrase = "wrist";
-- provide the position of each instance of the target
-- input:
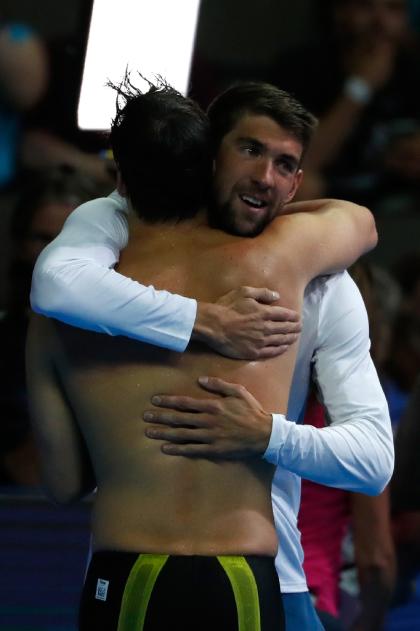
(358, 90)
(275, 439)
(266, 426)
(204, 326)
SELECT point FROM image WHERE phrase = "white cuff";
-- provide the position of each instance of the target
(190, 314)
(272, 453)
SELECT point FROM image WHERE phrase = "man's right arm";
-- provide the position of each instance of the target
(74, 282)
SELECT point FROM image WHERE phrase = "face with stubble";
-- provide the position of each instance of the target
(256, 173)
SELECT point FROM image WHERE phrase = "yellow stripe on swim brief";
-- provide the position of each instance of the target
(245, 591)
(138, 591)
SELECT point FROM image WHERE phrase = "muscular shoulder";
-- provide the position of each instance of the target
(296, 240)
(95, 208)
(283, 235)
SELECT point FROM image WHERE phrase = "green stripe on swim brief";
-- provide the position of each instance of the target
(138, 590)
(245, 591)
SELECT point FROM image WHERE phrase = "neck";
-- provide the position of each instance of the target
(180, 225)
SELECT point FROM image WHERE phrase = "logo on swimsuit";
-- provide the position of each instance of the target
(101, 589)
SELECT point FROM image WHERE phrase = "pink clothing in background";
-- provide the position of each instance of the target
(323, 521)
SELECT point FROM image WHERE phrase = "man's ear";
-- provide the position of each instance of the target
(121, 188)
(296, 183)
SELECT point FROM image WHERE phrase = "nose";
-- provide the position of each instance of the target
(263, 173)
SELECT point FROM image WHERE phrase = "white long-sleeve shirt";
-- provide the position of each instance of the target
(74, 281)
(355, 452)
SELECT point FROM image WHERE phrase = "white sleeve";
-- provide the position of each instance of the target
(356, 451)
(73, 281)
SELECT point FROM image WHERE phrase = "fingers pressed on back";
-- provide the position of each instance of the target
(261, 294)
(214, 384)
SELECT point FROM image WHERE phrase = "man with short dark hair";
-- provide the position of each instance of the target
(258, 153)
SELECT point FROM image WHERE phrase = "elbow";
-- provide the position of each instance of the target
(61, 496)
(376, 486)
(67, 489)
(39, 303)
(370, 229)
(47, 293)
(378, 482)
(382, 472)
(41, 291)
(373, 236)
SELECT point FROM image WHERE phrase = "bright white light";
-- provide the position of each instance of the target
(155, 37)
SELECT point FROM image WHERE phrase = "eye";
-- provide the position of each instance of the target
(285, 166)
(250, 150)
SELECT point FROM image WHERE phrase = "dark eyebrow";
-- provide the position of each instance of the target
(294, 162)
(251, 141)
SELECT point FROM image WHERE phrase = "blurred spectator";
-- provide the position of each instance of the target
(44, 204)
(29, 135)
(374, 559)
(402, 366)
(326, 516)
(405, 495)
(386, 295)
(406, 480)
(383, 299)
(361, 81)
(407, 273)
(23, 81)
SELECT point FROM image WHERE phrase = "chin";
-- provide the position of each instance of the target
(225, 218)
(247, 230)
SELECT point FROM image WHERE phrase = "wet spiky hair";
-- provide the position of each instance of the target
(161, 145)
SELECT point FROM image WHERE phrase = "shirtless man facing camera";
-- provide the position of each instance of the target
(185, 542)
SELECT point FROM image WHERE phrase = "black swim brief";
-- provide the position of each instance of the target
(127, 591)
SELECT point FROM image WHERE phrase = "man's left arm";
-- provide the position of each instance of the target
(66, 469)
(354, 453)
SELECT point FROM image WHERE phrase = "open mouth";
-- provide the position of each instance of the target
(253, 202)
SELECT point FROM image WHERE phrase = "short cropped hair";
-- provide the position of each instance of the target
(161, 145)
(258, 98)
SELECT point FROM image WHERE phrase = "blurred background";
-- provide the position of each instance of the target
(356, 65)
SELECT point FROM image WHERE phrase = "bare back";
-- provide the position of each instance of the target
(146, 500)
